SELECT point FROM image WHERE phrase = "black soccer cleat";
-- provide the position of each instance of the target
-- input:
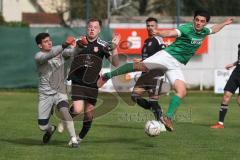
(47, 136)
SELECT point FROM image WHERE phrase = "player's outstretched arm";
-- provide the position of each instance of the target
(217, 27)
(165, 33)
(114, 59)
(77, 46)
(229, 66)
(42, 58)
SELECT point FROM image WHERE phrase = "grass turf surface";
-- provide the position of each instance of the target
(119, 134)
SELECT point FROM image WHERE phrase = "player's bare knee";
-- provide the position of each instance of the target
(77, 110)
(180, 88)
(184, 93)
(139, 66)
(89, 111)
(78, 107)
(226, 98)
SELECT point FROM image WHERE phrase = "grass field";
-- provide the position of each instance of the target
(119, 134)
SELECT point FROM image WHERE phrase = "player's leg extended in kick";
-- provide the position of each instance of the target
(156, 61)
(175, 101)
(125, 68)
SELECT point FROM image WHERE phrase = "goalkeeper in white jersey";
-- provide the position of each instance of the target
(52, 90)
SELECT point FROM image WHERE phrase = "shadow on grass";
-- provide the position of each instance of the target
(118, 126)
(32, 142)
(123, 140)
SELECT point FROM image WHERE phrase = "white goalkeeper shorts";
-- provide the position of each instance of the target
(47, 102)
(164, 60)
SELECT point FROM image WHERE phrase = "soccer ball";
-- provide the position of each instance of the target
(153, 128)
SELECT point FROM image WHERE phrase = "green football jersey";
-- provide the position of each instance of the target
(187, 43)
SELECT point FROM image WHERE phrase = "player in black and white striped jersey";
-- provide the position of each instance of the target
(149, 81)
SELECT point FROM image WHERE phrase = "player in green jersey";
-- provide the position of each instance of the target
(189, 38)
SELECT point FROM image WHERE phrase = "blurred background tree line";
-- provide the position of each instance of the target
(80, 8)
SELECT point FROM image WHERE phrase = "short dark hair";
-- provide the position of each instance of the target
(150, 19)
(95, 20)
(40, 37)
(203, 13)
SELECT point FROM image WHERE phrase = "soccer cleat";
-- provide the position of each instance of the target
(47, 136)
(217, 126)
(73, 142)
(60, 127)
(101, 81)
(167, 123)
(79, 139)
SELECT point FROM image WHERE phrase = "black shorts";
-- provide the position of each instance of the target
(234, 81)
(150, 81)
(84, 92)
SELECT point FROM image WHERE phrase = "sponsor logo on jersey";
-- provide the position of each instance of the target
(196, 41)
(149, 44)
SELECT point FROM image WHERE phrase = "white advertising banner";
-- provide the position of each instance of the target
(221, 77)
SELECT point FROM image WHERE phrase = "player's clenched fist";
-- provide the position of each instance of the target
(70, 40)
(82, 41)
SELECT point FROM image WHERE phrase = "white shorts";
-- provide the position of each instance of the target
(46, 103)
(164, 60)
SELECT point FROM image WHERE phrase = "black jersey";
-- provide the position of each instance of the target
(238, 62)
(234, 80)
(87, 64)
(151, 46)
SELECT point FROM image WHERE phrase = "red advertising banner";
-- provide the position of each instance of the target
(132, 41)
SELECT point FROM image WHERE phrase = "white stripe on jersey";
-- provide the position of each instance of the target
(211, 32)
(102, 42)
(159, 39)
(178, 32)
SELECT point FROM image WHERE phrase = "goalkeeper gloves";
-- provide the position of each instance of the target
(82, 42)
(70, 40)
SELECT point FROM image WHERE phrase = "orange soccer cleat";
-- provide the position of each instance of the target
(217, 126)
(167, 123)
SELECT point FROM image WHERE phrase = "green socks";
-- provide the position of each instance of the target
(173, 105)
(126, 68)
